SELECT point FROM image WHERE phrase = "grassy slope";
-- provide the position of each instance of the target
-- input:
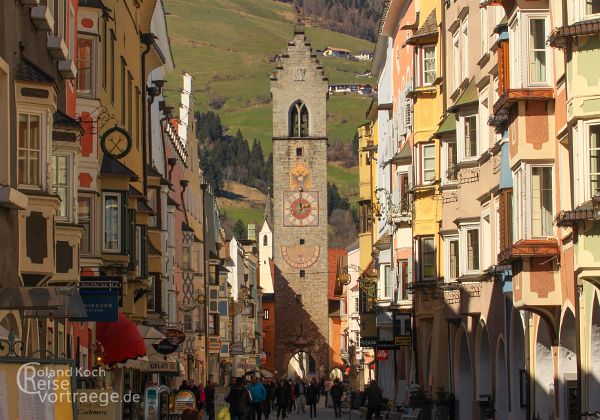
(226, 46)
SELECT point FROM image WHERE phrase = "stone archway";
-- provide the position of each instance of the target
(593, 374)
(302, 365)
(544, 373)
(517, 364)
(463, 377)
(501, 382)
(567, 358)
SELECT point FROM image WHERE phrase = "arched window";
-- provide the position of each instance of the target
(299, 120)
(265, 240)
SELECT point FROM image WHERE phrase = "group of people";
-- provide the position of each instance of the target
(260, 397)
(205, 396)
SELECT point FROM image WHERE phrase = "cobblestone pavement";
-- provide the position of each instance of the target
(323, 413)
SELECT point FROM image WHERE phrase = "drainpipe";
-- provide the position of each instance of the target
(146, 39)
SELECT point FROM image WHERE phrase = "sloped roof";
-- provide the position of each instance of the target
(111, 166)
(559, 37)
(429, 28)
(30, 72)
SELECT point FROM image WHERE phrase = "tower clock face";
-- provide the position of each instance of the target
(301, 208)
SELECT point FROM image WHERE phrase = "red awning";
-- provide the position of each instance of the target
(121, 340)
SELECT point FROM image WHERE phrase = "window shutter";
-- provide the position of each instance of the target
(408, 114)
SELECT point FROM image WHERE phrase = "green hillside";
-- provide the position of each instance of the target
(227, 46)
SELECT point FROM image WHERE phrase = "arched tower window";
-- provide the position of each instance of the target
(299, 120)
(265, 240)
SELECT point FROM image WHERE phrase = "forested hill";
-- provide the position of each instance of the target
(358, 18)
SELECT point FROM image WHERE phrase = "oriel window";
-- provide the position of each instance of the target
(299, 120)
(30, 148)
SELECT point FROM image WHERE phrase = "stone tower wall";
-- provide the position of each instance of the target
(301, 304)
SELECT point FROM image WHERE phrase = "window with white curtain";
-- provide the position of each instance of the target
(534, 201)
(30, 140)
(112, 222)
(529, 54)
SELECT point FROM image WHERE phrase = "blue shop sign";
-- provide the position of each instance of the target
(100, 304)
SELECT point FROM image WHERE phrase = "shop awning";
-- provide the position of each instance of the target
(154, 362)
(121, 340)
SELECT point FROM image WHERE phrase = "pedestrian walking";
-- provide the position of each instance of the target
(374, 400)
(328, 384)
(300, 396)
(268, 403)
(283, 395)
(293, 398)
(258, 394)
(209, 398)
(239, 400)
(312, 397)
(336, 397)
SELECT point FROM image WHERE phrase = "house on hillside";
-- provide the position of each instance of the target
(337, 52)
(365, 55)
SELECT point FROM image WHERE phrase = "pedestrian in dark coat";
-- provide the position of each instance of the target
(209, 395)
(283, 396)
(239, 401)
(374, 400)
(336, 397)
(312, 397)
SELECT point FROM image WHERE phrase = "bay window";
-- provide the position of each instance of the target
(86, 65)
(427, 65)
(529, 54)
(449, 161)
(85, 220)
(427, 258)
(452, 254)
(470, 248)
(30, 150)
(387, 282)
(154, 204)
(534, 201)
(593, 133)
(592, 7)
(541, 201)
(427, 163)
(456, 54)
(403, 278)
(60, 184)
(151, 296)
(112, 222)
(467, 137)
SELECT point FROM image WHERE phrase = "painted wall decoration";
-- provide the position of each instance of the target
(300, 256)
(300, 178)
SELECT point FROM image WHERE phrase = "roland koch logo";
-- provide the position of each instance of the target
(52, 385)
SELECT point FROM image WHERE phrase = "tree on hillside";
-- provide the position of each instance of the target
(335, 200)
(342, 228)
(239, 230)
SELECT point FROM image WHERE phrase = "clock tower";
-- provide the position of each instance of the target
(299, 90)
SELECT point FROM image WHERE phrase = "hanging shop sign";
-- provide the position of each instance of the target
(164, 367)
(174, 335)
(214, 345)
(402, 329)
(387, 345)
(382, 354)
(165, 346)
(368, 342)
(116, 142)
(100, 297)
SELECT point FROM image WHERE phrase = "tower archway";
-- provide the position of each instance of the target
(301, 365)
